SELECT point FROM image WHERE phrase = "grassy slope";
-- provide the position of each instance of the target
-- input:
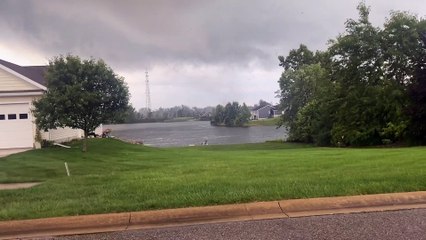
(115, 176)
(180, 119)
(264, 122)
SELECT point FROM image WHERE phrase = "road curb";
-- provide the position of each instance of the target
(210, 214)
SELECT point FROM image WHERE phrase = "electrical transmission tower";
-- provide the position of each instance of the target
(147, 93)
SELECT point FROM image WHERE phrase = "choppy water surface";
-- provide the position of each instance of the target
(193, 133)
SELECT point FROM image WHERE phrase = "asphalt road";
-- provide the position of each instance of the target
(406, 224)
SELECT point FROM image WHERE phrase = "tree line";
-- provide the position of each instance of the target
(216, 115)
(367, 88)
(164, 114)
(231, 115)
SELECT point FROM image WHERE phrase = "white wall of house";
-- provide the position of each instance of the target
(15, 100)
(254, 115)
(15, 126)
(18, 132)
(99, 130)
(264, 113)
(62, 134)
(67, 134)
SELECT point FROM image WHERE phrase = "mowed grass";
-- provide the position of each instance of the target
(264, 122)
(116, 177)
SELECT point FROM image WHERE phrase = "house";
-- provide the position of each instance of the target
(266, 111)
(19, 87)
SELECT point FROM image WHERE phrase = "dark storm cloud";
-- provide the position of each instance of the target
(136, 33)
(198, 52)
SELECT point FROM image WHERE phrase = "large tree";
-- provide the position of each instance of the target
(81, 94)
(372, 68)
(357, 69)
(367, 88)
(416, 110)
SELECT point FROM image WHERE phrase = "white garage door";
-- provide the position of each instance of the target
(16, 130)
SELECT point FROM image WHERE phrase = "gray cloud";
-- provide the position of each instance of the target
(237, 37)
(141, 32)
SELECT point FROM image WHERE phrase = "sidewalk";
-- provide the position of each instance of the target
(7, 152)
(198, 215)
(9, 186)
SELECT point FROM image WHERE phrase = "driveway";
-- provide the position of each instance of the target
(10, 186)
(7, 152)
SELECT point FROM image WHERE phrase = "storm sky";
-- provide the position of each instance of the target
(198, 53)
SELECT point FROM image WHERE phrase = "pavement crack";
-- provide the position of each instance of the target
(130, 219)
(282, 210)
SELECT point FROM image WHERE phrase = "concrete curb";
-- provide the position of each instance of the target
(211, 214)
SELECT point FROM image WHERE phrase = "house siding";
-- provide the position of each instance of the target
(264, 112)
(10, 82)
(277, 113)
(17, 99)
(14, 90)
(67, 134)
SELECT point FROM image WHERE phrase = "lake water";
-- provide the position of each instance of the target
(193, 133)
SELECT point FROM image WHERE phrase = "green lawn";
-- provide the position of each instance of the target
(115, 176)
(180, 119)
(264, 122)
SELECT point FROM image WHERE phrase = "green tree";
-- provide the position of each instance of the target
(303, 92)
(402, 46)
(293, 90)
(131, 115)
(367, 88)
(416, 109)
(232, 115)
(297, 58)
(262, 103)
(243, 115)
(81, 94)
(218, 115)
(365, 107)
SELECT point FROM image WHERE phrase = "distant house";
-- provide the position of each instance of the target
(19, 87)
(263, 112)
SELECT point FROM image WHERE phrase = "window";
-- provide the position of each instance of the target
(23, 116)
(11, 116)
(2, 117)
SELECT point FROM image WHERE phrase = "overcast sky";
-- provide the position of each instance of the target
(197, 52)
